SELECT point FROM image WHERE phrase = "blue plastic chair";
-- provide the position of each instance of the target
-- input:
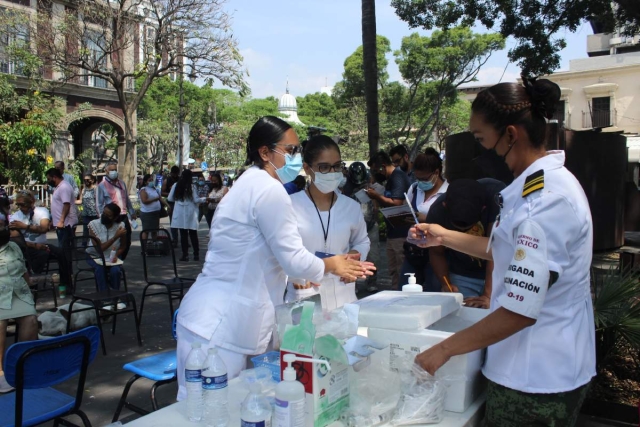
(33, 367)
(160, 368)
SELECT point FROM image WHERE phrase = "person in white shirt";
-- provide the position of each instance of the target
(111, 234)
(33, 222)
(184, 195)
(254, 244)
(430, 184)
(329, 223)
(540, 333)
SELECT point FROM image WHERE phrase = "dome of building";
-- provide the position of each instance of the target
(287, 103)
(288, 107)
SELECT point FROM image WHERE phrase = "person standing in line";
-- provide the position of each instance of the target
(540, 333)
(253, 245)
(184, 195)
(67, 177)
(113, 190)
(63, 212)
(174, 176)
(397, 185)
(430, 184)
(215, 196)
(328, 222)
(203, 190)
(88, 202)
(150, 204)
(400, 158)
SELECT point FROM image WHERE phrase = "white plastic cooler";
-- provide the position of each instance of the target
(412, 325)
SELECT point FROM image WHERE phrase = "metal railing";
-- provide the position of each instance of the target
(43, 198)
(599, 119)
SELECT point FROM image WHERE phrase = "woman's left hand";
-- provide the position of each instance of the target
(349, 270)
(432, 359)
(483, 301)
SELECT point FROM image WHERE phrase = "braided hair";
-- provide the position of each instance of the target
(529, 105)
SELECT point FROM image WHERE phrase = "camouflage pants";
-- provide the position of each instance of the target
(512, 408)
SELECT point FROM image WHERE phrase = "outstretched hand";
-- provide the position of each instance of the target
(427, 235)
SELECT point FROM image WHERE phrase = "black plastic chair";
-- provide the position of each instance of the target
(36, 278)
(100, 299)
(160, 368)
(160, 269)
(33, 367)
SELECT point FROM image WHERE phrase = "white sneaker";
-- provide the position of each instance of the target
(4, 385)
(121, 306)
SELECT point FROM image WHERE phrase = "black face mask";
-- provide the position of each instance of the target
(105, 220)
(4, 236)
(379, 177)
(51, 183)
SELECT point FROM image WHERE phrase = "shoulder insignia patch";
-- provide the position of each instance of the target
(533, 183)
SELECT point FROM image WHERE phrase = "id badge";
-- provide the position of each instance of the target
(323, 255)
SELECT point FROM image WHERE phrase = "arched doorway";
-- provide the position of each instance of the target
(95, 137)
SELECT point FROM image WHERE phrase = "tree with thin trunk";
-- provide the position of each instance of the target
(370, 66)
(116, 42)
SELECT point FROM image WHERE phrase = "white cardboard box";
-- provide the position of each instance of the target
(466, 381)
(404, 311)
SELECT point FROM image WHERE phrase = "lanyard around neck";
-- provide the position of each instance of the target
(325, 232)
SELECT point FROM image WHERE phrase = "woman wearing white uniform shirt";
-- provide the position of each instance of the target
(540, 332)
(328, 222)
(254, 244)
(184, 195)
(430, 184)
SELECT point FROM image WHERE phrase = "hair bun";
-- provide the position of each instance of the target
(544, 95)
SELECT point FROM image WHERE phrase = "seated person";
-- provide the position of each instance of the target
(110, 234)
(33, 222)
(16, 301)
(468, 206)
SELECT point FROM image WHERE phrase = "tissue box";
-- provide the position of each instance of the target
(465, 382)
(404, 311)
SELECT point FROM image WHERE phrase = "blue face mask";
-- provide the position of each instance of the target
(426, 185)
(151, 185)
(291, 168)
(200, 183)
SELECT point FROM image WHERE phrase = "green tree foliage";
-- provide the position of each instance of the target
(352, 85)
(535, 24)
(433, 68)
(318, 109)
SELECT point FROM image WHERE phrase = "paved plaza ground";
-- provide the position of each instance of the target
(106, 378)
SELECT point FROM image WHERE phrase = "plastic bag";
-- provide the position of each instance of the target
(374, 393)
(422, 400)
(342, 323)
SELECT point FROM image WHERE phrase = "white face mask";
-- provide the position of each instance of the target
(327, 182)
(113, 174)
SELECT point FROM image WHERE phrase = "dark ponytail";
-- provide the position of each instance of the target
(529, 105)
(267, 131)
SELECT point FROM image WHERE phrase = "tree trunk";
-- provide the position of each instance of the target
(127, 159)
(370, 65)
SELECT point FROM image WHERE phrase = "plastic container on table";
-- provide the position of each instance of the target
(271, 361)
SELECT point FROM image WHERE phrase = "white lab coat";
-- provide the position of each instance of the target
(347, 232)
(185, 212)
(254, 243)
(548, 230)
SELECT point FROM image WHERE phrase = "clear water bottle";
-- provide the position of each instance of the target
(215, 391)
(193, 381)
(256, 409)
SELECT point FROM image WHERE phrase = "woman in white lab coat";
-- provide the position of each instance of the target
(540, 333)
(254, 244)
(184, 195)
(328, 222)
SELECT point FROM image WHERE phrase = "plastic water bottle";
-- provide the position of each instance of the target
(215, 391)
(113, 256)
(256, 409)
(193, 381)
